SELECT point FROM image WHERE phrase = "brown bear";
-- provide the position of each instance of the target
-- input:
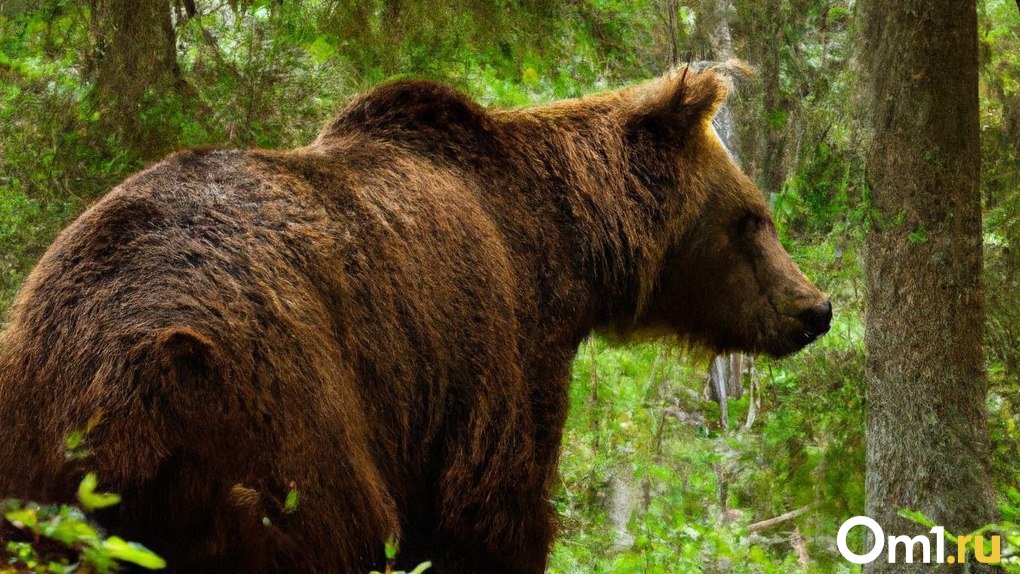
(385, 318)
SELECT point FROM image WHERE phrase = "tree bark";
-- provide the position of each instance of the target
(927, 430)
(785, 517)
(726, 371)
(134, 64)
(773, 168)
(620, 505)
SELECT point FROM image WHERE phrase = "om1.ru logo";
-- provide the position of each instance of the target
(910, 544)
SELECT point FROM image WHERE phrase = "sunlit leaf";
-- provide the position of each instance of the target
(291, 504)
(23, 518)
(133, 552)
(92, 500)
(391, 549)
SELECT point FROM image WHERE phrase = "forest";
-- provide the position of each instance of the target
(672, 460)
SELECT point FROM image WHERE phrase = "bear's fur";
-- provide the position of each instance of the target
(385, 318)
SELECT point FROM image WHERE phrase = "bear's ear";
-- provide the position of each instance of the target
(188, 357)
(678, 101)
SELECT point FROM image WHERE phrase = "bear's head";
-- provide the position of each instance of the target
(724, 281)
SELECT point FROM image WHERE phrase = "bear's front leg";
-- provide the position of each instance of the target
(492, 509)
(510, 532)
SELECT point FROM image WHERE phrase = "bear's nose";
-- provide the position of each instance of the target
(818, 318)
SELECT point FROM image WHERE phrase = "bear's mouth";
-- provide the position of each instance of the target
(791, 343)
(786, 336)
(794, 333)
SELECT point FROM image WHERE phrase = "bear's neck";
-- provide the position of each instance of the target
(597, 232)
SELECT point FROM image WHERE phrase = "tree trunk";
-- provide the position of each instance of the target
(135, 64)
(620, 505)
(773, 167)
(927, 429)
(726, 371)
(718, 379)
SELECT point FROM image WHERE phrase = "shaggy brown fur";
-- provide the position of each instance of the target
(386, 317)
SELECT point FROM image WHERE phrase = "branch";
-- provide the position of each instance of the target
(781, 518)
(800, 546)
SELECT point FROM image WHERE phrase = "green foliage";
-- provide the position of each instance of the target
(826, 195)
(90, 499)
(64, 540)
(919, 235)
(1000, 184)
(1008, 529)
(291, 503)
(639, 413)
(74, 444)
(391, 551)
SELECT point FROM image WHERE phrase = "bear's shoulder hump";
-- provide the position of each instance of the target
(411, 106)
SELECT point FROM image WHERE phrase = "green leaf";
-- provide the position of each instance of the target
(918, 518)
(23, 518)
(919, 235)
(320, 50)
(74, 439)
(75, 442)
(133, 552)
(92, 500)
(74, 446)
(69, 530)
(758, 556)
(291, 504)
(22, 551)
(391, 549)
(421, 568)
(777, 119)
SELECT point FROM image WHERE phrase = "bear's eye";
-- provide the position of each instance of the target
(750, 222)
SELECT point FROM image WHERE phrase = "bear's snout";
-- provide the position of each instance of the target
(817, 319)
